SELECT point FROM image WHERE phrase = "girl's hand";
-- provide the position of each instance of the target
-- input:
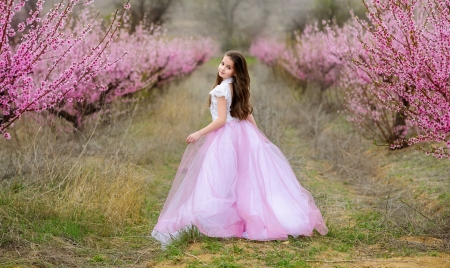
(193, 137)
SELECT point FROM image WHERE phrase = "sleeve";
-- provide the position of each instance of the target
(220, 91)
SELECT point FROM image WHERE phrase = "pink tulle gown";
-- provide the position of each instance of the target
(234, 182)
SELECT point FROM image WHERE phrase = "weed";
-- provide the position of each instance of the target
(237, 249)
(212, 245)
(98, 258)
(226, 261)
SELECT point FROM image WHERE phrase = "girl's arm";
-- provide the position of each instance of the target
(251, 119)
(214, 125)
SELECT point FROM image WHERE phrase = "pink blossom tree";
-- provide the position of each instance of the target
(21, 88)
(307, 58)
(153, 59)
(394, 70)
(327, 58)
(408, 62)
(267, 50)
(75, 66)
(370, 116)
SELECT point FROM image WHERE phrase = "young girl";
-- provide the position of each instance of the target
(232, 181)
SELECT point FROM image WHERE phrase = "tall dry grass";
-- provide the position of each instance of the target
(105, 181)
(274, 105)
(57, 179)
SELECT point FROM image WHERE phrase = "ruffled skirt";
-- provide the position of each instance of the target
(234, 182)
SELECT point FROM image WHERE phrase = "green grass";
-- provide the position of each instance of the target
(68, 229)
(356, 220)
(98, 258)
(226, 261)
(211, 245)
(35, 221)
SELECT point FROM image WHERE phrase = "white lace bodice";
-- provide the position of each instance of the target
(222, 90)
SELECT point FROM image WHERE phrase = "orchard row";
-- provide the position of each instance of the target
(72, 66)
(392, 69)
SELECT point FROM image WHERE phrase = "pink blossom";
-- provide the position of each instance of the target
(267, 50)
(411, 72)
(393, 70)
(155, 59)
(32, 77)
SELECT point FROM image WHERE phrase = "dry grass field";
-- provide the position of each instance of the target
(90, 198)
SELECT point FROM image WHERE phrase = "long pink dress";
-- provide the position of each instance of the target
(234, 182)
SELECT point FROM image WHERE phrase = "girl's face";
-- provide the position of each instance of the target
(226, 68)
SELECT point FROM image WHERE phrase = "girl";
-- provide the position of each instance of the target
(232, 181)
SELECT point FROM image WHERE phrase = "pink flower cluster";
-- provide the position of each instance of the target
(393, 70)
(72, 67)
(24, 86)
(326, 58)
(408, 63)
(370, 116)
(267, 50)
(306, 58)
(147, 58)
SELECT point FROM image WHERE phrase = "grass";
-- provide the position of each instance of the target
(91, 200)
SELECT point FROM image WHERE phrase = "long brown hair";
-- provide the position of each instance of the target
(240, 103)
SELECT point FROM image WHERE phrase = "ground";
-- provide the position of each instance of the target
(383, 208)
